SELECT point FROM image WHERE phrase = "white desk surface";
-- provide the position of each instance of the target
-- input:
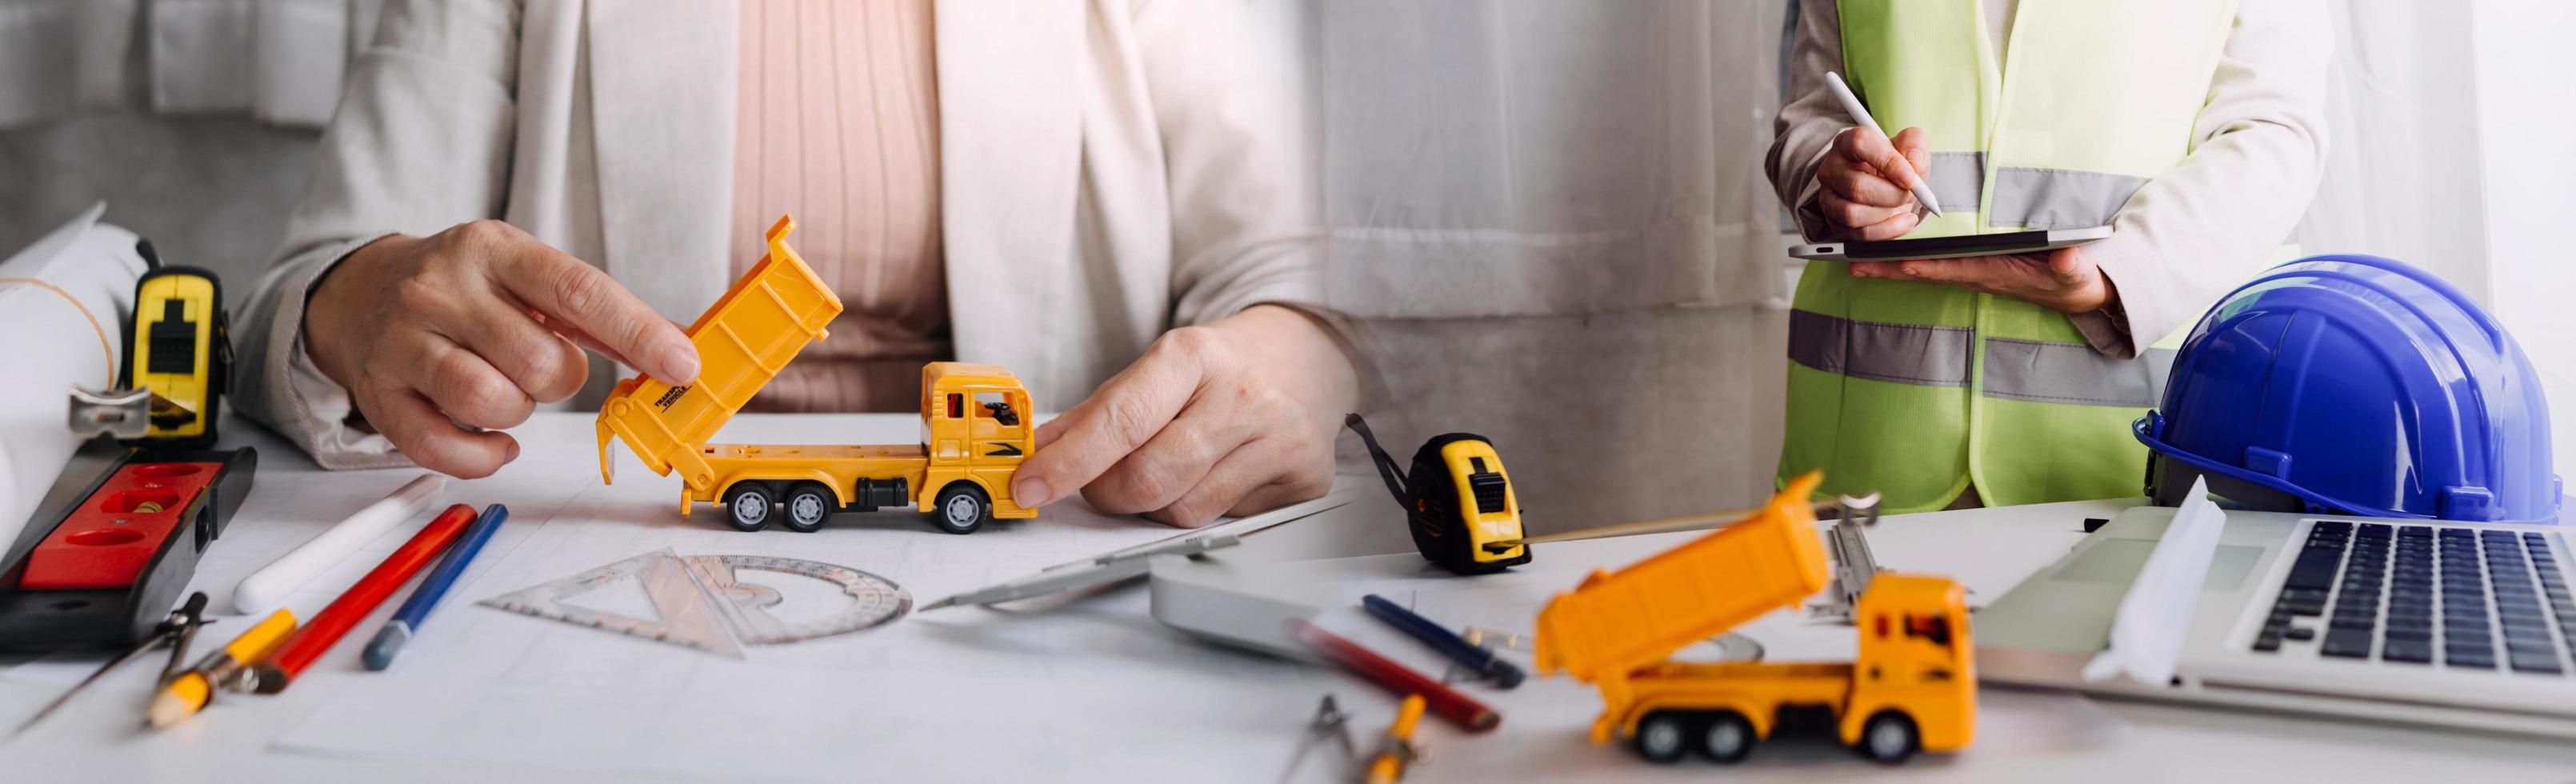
(94, 737)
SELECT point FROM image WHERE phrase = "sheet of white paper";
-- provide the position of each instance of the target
(2147, 633)
(61, 668)
(488, 685)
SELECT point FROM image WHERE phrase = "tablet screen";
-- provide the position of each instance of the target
(1960, 245)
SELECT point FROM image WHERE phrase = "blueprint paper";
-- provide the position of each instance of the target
(492, 686)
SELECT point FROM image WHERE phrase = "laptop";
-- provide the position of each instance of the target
(2466, 625)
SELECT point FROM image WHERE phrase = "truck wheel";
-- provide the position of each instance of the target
(748, 505)
(962, 508)
(1662, 736)
(808, 506)
(1889, 738)
(1727, 737)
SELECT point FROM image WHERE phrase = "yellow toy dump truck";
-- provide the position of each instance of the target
(1912, 688)
(974, 424)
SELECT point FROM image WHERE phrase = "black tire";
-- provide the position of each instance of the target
(749, 505)
(808, 506)
(962, 508)
(1889, 738)
(1727, 737)
(1662, 737)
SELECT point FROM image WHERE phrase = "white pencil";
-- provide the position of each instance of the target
(1860, 114)
(265, 589)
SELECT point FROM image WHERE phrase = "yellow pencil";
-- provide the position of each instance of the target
(1389, 766)
(184, 695)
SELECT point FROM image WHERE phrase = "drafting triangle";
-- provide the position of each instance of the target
(685, 617)
(623, 597)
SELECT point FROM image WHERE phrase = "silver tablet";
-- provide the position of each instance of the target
(1951, 247)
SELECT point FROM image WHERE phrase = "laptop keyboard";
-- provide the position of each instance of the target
(2426, 595)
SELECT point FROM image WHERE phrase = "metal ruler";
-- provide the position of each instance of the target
(699, 601)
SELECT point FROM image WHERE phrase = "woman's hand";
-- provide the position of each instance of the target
(471, 328)
(2064, 280)
(1234, 417)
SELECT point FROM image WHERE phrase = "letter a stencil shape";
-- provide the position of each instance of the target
(687, 618)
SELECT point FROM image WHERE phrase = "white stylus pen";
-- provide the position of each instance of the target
(1851, 106)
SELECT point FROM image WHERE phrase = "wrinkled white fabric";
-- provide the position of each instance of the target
(1536, 158)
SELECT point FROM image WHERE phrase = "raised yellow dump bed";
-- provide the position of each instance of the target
(1616, 622)
(743, 340)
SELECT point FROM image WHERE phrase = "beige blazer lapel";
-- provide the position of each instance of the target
(662, 95)
(1010, 136)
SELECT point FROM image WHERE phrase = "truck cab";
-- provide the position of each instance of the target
(1915, 663)
(975, 429)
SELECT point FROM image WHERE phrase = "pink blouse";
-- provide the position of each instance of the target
(838, 124)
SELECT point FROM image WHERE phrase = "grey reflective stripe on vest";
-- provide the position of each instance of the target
(2049, 372)
(2032, 370)
(1896, 353)
(2056, 198)
(1957, 178)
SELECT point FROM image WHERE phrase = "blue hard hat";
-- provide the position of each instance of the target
(2349, 384)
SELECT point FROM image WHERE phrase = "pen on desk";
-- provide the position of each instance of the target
(1458, 649)
(1386, 673)
(1860, 114)
(188, 693)
(380, 651)
(273, 673)
(265, 588)
(1398, 751)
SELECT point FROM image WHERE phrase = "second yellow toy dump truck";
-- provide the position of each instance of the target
(974, 423)
(1913, 686)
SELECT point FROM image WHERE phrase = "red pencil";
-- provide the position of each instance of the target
(1457, 708)
(317, 635)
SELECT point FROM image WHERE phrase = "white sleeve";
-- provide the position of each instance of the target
(2259, 146)
(326, 401)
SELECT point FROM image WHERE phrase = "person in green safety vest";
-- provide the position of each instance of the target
(2193, 127)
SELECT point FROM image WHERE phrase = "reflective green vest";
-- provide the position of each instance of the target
(1915, 390)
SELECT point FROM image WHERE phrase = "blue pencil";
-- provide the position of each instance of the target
(389, 641)
(1448, 643)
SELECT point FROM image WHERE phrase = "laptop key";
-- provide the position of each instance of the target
(2407, 632)
(2410, 651)
(2299, 633)
(2523, 662)
(2267, 641)
(2316, 573)
(2348, 643)
(2478, 658)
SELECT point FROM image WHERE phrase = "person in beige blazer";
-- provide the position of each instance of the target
(1123, 208)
